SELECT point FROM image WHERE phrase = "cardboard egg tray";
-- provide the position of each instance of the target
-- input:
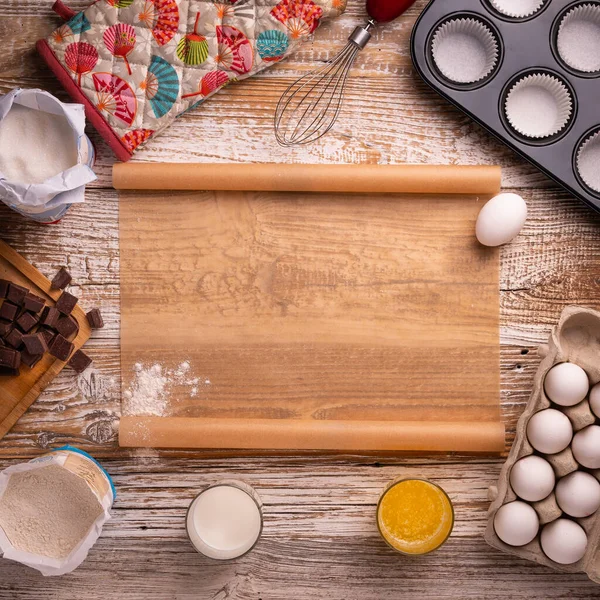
(575, 339)
(526, 46)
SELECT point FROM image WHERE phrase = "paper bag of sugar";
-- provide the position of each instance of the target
(45, 156)
(52, 510)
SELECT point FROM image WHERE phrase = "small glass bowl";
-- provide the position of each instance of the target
(392, 485)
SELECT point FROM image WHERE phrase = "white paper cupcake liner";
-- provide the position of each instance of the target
(588, 162)
(517, 9)
(578, 40)
(464, 50)
(538, 106)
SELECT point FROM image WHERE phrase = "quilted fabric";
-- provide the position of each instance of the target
(142, 63)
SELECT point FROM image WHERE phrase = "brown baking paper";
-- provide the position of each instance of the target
(279, 434)
(389, 179)
(318, 322)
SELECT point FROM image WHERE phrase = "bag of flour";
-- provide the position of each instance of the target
(52, 509)
(45, 157)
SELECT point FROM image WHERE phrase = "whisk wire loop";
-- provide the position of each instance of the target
(310, 106)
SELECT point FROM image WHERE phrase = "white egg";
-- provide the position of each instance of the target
(566, 384)
(549, 431)
(532, 478)
(586, 447)
(501, 219)
(578, 494)
(563, 541)
(516, 523)
(595, 400)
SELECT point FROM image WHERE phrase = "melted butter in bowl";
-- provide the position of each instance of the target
(415, 516)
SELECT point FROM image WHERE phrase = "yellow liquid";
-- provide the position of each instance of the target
(415, 516)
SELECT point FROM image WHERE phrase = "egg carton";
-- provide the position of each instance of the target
(576, 339)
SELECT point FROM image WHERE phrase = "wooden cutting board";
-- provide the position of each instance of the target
(312, 307)
(17, 394)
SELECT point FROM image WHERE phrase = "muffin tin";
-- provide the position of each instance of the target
(575, 339)
(526, 70)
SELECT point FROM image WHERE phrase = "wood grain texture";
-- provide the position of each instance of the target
(320, 539)
(17, 394)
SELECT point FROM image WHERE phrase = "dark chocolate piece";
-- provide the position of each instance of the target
(33, 303)
(35, 343)
(49, 316)
(48, 334)
(5, 327)
(8, 311)
(95, 319)
(66, 303)
(80, 361)
(2, 342)
(27, 322)
(67, 326)
(14, 338)
(9, 358)
(16, 293)
(30, 359)
(61, 280)
(4, 283)
(9, 371)
(61, 348)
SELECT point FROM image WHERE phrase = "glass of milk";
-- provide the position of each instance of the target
(225, 520)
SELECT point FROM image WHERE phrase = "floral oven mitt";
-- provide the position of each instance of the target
(138, 64)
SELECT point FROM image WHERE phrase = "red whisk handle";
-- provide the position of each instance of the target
(383, 11)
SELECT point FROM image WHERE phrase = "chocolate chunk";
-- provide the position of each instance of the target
(9, 358)
(30, 359)
(5, 327)
(16, 293)
(80, 361)
(48, 334)
(8, 311)
(66, 303)
(61, 348)
(9, 371)
(33, 303)
(61, 280)
(27, 322)
(35, 343)
(4, 283)
(67, 326)
(95, 319)
(49, 316)
(14, 338)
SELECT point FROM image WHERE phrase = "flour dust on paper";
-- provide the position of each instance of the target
(151, 388)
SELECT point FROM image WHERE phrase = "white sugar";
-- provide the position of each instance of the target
(579, 44)
(35, 145)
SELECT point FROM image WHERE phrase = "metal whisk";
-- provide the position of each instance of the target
(309, 108)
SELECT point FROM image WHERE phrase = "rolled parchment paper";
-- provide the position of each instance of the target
(384, 179)
(290, 434)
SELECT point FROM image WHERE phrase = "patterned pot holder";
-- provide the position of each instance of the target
(136, 65)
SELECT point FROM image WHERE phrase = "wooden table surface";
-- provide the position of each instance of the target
(320, 538)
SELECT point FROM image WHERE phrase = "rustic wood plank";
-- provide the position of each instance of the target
(319, 538)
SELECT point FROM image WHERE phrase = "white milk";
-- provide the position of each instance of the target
(35, 145)
(224, 521)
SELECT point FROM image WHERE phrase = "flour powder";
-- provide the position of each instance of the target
(47, 511)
